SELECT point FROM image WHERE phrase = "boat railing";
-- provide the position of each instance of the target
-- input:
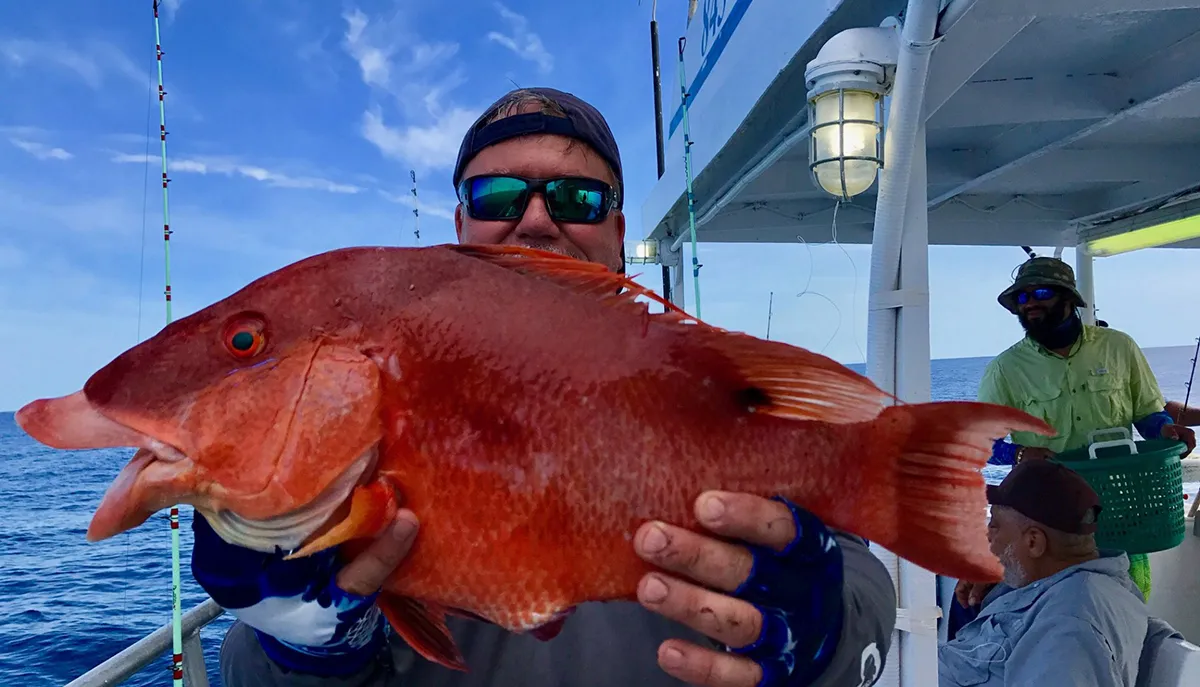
(141, 653)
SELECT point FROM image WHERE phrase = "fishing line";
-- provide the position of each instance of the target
(854, 286)
(141, 290)
(805, 292)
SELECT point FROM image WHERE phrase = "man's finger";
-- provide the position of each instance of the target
(730, 621)
(746, 517)
(367, 572)
(706, 668)
(962, 593)
(717, 564)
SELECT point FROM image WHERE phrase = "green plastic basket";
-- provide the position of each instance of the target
(1140, 485)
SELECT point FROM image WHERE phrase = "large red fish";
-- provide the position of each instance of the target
(528, 409)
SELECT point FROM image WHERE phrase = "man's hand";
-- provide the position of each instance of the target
(1180, 433)
(790, 588)
(314, 615)
(970, 594)
(1036, 453)
(366, 574)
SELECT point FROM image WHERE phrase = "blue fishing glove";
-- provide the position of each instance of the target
(303, 620)
(799, 593)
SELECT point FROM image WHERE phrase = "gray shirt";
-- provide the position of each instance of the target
(1085, 625)
(613, 643)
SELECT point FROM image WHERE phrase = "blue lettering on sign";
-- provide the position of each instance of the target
(713, 18)
(719, 22)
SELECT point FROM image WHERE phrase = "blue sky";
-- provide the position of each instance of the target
(293, 127)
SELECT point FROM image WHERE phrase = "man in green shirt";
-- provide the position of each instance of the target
(1077, 377)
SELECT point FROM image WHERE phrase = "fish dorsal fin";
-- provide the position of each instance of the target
(779, 379)
(791, 382)
(580, 276)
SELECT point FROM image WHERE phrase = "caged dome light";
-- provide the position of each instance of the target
(846, 85)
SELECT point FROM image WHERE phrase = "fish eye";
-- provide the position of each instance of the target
(245, 337)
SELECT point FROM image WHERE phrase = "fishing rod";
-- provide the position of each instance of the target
(176, 601)
(416, 208)
(1187, 397)
(687, 168)
(770, 303)
(1191, 378)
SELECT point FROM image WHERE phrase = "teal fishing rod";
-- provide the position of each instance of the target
(687, 170)
(176, 602)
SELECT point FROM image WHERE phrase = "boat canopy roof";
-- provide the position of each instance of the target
(1046, 120)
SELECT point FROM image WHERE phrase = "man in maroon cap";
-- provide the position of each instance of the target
(1066, 613)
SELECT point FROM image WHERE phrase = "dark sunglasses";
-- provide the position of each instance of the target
(500, 197)
(1042, 293)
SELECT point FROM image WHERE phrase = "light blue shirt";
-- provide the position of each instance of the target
(1084, 626)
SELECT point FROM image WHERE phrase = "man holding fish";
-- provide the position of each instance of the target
(566, 450)
(838, 601)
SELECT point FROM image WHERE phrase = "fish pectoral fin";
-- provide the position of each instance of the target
(372, 508)
(791, 382)
(422, 625)
(778, 379)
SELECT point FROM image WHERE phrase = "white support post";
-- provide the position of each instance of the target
(1085, 282)
(918, 587)
(898, 317)
(678, 286)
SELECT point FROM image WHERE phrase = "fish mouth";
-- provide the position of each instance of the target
(72, 422)
(289, 531)
(161, 475)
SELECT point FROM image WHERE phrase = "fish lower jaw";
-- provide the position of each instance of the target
(289, 531)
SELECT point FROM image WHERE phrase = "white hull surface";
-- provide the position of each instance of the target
(1175, 586)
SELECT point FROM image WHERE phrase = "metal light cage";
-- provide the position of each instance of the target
(842, 184)
(644, 253)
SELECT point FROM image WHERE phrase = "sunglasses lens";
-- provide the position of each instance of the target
(1043, 294)
(578, 200)
(496, 198)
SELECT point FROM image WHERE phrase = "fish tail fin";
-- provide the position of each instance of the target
(934, 453)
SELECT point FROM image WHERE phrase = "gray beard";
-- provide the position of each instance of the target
(1014, 573)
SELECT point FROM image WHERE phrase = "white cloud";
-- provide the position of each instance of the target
(420, 76)
(170, 9)
(40, 151)
(91, 61)
(393, 60)
(525, 43)
(98, 64)
(231, 167)
(434, 146)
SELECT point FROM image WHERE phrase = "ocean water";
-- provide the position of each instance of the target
(66, 605)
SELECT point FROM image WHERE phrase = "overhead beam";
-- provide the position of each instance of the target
(1022, 100)
(756, 217)
(1073, 8)
(1138, 195)
(943, 233)
(1108, 165)
(1161, 78)
(790, 179)
(1078, 135)
(965, 48)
